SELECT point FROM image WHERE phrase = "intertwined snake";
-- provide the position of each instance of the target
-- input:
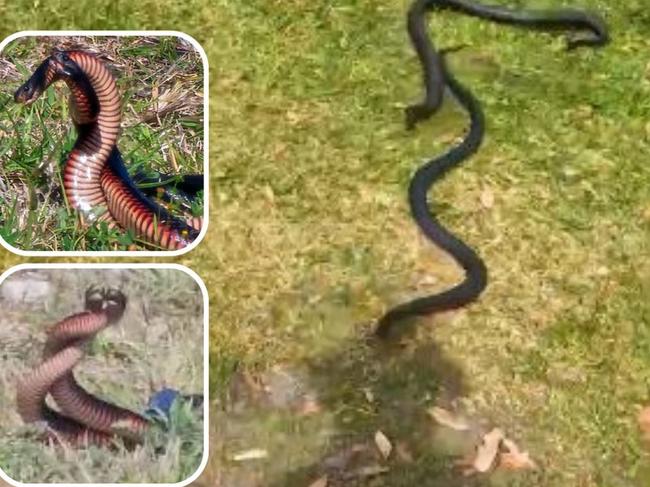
(96, 182)
(82, 418)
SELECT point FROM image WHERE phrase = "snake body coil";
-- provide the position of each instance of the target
(94, 178)
(84, 418)
(436, 77)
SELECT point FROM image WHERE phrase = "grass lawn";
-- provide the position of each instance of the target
(160, 81)
(310, 238)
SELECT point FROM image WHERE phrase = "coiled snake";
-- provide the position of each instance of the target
(436, 78)
(83, 418)
(95, 178)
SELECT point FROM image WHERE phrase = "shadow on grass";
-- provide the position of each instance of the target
(326, 425)
(387, 388)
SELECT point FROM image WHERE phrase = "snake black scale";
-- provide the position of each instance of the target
(588, 29)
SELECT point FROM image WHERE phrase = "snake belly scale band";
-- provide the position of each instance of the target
(83, 418)
(436, 77)
(96, 183)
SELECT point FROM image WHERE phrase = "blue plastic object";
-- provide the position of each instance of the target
(160, 404)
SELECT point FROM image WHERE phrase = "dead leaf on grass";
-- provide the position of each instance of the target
(321, 482)
(514, 458)
(383, 444)
(448, 419)
(487, 452)
(487, 198)
(254, 454)
(643, 419)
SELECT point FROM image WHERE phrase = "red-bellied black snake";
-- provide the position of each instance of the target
(83, 418)
(94, 177)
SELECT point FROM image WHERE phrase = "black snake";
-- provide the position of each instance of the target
(436, 78)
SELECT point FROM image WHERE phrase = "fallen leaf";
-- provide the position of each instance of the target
(644, 422)
(383, 444)
(514, 458)
(321, 482)
(486, 452)
(254, 454)
(370, 397)
(448, 419)
(602, 271)
(518, 461)
(487, 198)
(268, 193)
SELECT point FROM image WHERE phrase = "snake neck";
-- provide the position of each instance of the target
(95, 107)
(102, 87)
(77, 327)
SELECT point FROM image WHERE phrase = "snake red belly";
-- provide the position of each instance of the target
(91, 183)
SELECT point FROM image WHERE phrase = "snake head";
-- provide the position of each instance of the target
(26, 94)
(57, 66)
(37, 83)
(95, 299)
(106, 300)
(63, 63)
(114, 303)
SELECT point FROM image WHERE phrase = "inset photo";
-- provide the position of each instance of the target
(104, 143)
(103, 375)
